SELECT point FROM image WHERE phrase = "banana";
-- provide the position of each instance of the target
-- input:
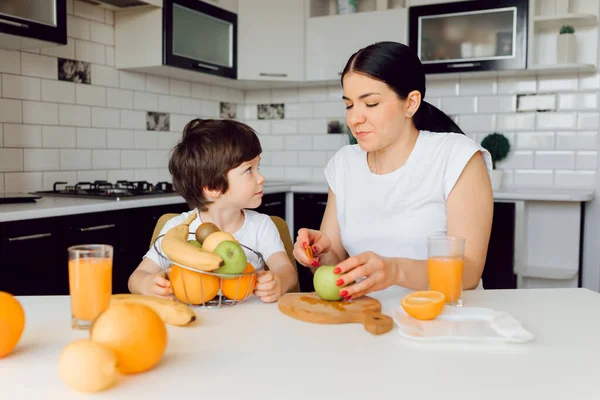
(176, 247)
(170, 311)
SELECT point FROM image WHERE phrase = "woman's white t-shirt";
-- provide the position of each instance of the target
(258, 232)
(393, 214)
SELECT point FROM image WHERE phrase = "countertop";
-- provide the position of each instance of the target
(50, 206)
(252, 351)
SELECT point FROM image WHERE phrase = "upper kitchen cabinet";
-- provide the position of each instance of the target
(186, 39)
(32, 24)
(271, 40)
(332, 39)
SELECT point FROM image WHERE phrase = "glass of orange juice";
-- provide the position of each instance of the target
(445, 263)
(90, 282)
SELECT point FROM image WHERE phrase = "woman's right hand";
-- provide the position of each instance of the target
(319, 243)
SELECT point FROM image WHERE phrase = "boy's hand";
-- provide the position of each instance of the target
(268, 287)
(157, 285)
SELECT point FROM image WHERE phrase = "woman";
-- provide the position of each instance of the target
(413, 174)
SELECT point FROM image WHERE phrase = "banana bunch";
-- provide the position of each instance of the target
(175, 245)
(170, 311)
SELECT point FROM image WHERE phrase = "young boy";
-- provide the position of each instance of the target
(215, 168)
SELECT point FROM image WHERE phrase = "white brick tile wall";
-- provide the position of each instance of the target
(75, 159)
(549, 159)
(285, 158)
(91, 176)
(119, 98)
(577, 140)
(41, 159)
(10, 61)
(106, 117)
(210, 109)
(551, 120)
(50, 177)
(319, 174)
(258, 97)
(533, 178)
(22, 135)
(133, 119)
(133, 159)
(579, 101)
(106, 159)
(121, 175)
(517, 159)
(59, 137)
(157, 159)
(78, 28)
(477, 123)
(11, 111)
(312, 158)
(262, 127)
(39, 66)
(587, 120)
(109, 17)
(537, 102)
(178, 122)
(273, 173)
(23, 181)
(517, 85)
(535, 140)
(146, 139)
(1, 139)
(314, 94)
(442, 88)
(180, 88)
(132, 80)
(110, 56)
(11, 160)
(575, 179)
(90, 138)
(105, 76)
(519, 122)
(102, 33)
(66, 51)
(248, 111)
(330, 109)
(589, 81)
(586, 160)
(329, 142)
(90, 52)
(157, 84)
(168, 140)
(284, 126)
(192, 107)
(58, 91)
(298, 110)
(298, 142)
(199, 90)
(147, 174)
(496, 104)
(288, 96)
(71, 115)
(88, 11)
(90, 95)
(563, 83)
(21, 87)
(145, 101)
(236, 96)
(298, 173)
(459, 105)
(477, 86)
(169, 103)
(120, 139)
(35, 112)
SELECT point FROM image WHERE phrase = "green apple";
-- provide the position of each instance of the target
(195, 243)
(324, 283)
(233, 257)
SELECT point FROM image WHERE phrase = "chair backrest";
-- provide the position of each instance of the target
(280, 223)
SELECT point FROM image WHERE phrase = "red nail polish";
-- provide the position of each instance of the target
(344, 293)
(337, 270)
(315, 249)
(347, 298)
(339, 282)
(315, 263)
(304, 244)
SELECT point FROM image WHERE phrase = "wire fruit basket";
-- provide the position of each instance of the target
(210, 289)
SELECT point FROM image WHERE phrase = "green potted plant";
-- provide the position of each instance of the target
(566, 45)
(498, 146)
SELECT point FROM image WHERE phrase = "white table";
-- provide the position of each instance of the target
(252, 351)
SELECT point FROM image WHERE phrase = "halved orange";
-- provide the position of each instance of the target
(423, 305)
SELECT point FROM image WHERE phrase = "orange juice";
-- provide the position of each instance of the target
(90, 283)
(445, 275)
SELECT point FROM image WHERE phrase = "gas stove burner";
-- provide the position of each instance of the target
(99, 189)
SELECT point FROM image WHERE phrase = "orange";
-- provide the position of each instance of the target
(424, 305)
(243, 285)
(134, 332)
(193, 287)
(12, 323)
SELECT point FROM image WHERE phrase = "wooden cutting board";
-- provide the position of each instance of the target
(310, 307)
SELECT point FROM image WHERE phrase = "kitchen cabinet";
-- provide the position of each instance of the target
(331, 40)
(34, 252)
(32, 24)
(273, 204)
(271, 40)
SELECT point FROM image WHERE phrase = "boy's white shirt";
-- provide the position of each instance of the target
(258, 232)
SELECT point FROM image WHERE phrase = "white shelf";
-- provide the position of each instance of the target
(556, 21)
(536, 70)
(563, 68)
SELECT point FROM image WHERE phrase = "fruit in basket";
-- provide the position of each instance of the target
(423, 305)
(171, 312)
(195, 243)
(243, 285)
(12, 323)
(233, 256)
(193, 287)
(87, 366)
(212, 241)
(176, 247)
(324, 283)
(135, 333)
(205, 229)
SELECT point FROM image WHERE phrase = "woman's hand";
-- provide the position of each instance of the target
(380, 273)
(319, 242)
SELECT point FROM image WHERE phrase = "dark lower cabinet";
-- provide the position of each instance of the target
(34, 252)
(273, 204)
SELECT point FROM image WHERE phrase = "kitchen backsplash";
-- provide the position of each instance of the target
(66, 114)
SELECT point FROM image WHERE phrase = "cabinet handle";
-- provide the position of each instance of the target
(273, 75)
(9, 22)
(96, 228)
(206, 66)
(322, 203)
(29, 237)
(273, 203)
(464, 65)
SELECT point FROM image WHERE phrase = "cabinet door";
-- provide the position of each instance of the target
(271, 40)
(498, 272)
(30, 265)
(331, 40)
(273, 204)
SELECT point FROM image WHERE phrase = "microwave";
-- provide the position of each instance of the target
(200, 37)
(476, 35)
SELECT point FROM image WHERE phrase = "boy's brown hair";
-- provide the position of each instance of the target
(208, 149)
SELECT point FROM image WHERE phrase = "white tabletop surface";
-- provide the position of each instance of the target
(252, 351)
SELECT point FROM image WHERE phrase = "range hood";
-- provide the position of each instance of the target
(118, 5)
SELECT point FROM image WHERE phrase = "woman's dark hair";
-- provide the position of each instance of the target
(208, 150)
(399, 67)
